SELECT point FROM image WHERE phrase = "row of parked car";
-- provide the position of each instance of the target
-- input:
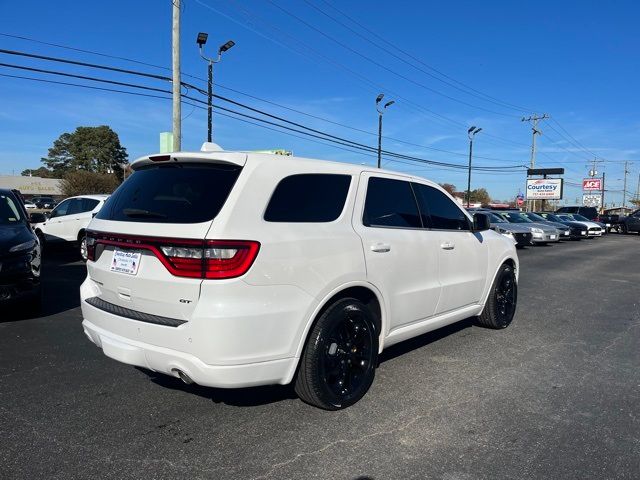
(528, 228)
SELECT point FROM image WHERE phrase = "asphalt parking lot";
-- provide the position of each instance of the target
(556, 395)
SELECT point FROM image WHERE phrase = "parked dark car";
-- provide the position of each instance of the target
(563, 230)
(19, 254)
(590, 213)
(44, 202)
(577, 230)
(623, 223)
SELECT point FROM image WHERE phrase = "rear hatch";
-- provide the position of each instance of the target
(147, 248)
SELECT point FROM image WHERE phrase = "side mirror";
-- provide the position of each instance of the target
(481, 222)
(37, 218)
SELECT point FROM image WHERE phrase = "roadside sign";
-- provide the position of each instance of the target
(589, 184)
(591, 200)
(544, 189)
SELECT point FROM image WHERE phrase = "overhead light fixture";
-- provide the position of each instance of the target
(202, 38)
(226, 46)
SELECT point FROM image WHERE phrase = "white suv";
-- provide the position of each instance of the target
(233, 269)
(68, 221)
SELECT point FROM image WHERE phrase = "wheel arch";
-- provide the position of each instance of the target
(513, 263)
(80, 234)
(366, 292)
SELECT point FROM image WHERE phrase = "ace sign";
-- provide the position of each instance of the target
(591, 184)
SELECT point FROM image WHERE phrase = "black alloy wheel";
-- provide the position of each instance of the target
(500, 307)
(338, 365)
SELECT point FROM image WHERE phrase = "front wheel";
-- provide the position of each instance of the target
(501, 304)
(339, 360)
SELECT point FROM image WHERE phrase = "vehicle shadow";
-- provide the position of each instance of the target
(239, 397)
(255, 396)
(60, 277)
(423, 340)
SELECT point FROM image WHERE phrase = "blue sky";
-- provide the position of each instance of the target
(576, 61)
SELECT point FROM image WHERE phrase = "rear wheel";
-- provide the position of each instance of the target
(623, 228)
(339, 360)
(501, 304)
(82, 245)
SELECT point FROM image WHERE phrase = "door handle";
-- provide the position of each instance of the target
(447, 246)
(380, 248)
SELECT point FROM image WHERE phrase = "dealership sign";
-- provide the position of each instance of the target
(544, 189)
(592, 184)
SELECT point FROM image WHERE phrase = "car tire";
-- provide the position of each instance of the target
(339, 359)
(623, 229)
(82, 247)
(503, 297)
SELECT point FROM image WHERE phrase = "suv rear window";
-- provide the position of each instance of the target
(314, 197)
(175, 193)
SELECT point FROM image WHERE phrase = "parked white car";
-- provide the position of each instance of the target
(233, 269)
(68, 221)
(29, 206)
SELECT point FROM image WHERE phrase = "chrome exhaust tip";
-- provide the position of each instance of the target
(183, 376)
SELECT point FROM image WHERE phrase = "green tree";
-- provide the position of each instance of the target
(82, 182)
(480, 195)
(93, 149)
(636, 202)
(42, 172)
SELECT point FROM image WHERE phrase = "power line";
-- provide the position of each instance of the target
(390, 52)
(306, 130)
(153, 76)
(380, 65)
(414, 58)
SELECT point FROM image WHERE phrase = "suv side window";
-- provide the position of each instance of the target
(308, 198)
(89, 204)
(61, 210)
(444, 213)
(390, 203)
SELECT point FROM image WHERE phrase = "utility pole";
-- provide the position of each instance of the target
(602, 195)
(534, 119)
(638, 190)
(624, 188)
(175, 57)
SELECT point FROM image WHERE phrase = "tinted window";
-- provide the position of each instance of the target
(443, 212)
(174, 193)
(9, 211)
(89, 204)
(390, 203)
(61, 209)
(308, 198)
(75, 206)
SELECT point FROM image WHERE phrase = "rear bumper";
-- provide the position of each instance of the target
(170, 362)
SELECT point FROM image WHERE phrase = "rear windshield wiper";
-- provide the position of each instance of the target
(140, 213)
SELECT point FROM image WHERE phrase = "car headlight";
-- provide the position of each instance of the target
(23, 246)
(536, 230)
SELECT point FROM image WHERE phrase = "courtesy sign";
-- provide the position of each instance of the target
(544, 189)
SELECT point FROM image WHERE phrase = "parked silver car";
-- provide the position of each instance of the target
(541, 233)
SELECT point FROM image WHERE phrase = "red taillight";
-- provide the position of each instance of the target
(228, 259)
(210, 259)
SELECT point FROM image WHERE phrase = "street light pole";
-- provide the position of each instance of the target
(471, 133)
(201, 40)
(380, 112)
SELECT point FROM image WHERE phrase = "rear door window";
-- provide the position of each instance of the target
(89, 204)
(308, 198)
(175, 193)
(443, 213)
(390, 203)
